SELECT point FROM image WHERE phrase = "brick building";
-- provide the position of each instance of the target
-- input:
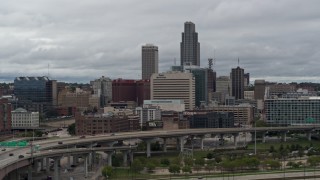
(102, 123)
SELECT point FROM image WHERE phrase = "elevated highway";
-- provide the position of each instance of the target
(7, 163)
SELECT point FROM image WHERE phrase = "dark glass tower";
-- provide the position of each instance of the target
(237, 81)
(190, 47)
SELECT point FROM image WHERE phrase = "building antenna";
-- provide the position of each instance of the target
(48, 69)
(238, 61)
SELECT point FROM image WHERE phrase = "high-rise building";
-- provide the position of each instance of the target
(102, 88)
(173, 85)
(150, 60)
(190, 47)
(259, 89)
(237, 82)
(246, 80)
(36, 93)
(223, 88)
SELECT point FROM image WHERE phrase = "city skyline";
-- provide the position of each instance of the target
(79, 42)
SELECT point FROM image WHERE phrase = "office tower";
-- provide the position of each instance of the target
(246, 81)
(204, 83)
(102, 88)
(223, 87)
(150, 60)
(190, 47)
(174, 85)
(237, 83)
(36, 93)
(5, 116)
(259, 89)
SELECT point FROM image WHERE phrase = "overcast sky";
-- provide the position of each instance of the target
(81, 40)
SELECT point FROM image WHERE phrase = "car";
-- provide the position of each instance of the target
(11, 154)
(21, 156)
(112, 134)
(3, 149)
(60, 142)
(82, 137)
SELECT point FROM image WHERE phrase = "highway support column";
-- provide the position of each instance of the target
(164, 144)
(308, 135)
(284, 136)
(30, 172)
(125, 157)
(56, 168)
(201, 142)
(235, 141)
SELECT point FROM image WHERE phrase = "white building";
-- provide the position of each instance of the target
(174, 85)
(21, 118)
(166, 104)
(148, 114)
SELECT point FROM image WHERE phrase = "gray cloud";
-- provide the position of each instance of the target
(82, 40)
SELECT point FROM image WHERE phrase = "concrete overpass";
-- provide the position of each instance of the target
(146, 136)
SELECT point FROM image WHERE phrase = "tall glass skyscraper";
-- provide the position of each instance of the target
(190, 47)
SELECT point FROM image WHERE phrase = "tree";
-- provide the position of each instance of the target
(272, 149)
(188, 161)
(273, 164)
(199, 161)
(165, 162)
(72, 129)
(197, 167)
(209, 155)
(136, 165)
(176, 160)
(151, 166)
(218, 159)
(107, 171)
(186, 169)
(209, 167)
(174, 168)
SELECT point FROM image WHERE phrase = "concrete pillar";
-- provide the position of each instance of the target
(235, 141)
(221, 141)
(148, 148)
(30, 172)
(47, 165)
(110, 153)
(36, 165)
(308, 135)
(41, 164)
(201, 142)
(164, 144)
(125, 158)
(75, 159)
(263, 138)
(86, 166)
(69, 162)
(284, 136)
(131, 156)
(181, 142)
(56, 175)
